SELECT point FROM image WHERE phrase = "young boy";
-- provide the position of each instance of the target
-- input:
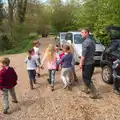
(36, 45)
(116, 78)
(66, 73)
(8, 80)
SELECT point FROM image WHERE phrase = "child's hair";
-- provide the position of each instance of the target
(67, 48)
(35, 42)
(50, 52)
(30, 51)
(5, 61)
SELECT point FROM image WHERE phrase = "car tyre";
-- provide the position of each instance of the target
(107, 74)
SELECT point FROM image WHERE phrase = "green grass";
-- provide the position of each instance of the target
(23, 46)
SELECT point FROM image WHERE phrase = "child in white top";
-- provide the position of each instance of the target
(36, 48)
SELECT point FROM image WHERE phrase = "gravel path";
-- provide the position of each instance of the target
(42, 104)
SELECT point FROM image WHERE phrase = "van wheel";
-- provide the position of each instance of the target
(107, 74)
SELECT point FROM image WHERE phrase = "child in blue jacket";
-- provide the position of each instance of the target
(116, 77)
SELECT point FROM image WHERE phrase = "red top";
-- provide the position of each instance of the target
(61, 55)
(8, 78)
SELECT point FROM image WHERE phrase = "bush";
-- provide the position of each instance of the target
(23, 46)
(5, 43)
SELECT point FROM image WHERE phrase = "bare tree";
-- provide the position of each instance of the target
(11, 6)
(21, 10)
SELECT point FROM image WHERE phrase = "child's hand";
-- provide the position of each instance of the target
(117, 65)
(41, 66)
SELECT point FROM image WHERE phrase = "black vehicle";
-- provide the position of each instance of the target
(111, 53)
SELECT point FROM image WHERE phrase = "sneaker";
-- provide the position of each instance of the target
(52, 88)
(65, 87)
(38, 75)
(5, 111)
(48, 81)
(69, 87)
(14, 101)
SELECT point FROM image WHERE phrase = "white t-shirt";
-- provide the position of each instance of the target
(37, 51)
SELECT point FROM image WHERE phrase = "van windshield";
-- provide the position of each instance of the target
(62, 35)
(78, 39)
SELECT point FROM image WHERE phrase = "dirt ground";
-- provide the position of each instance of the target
(42, 104)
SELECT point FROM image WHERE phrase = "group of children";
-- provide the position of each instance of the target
(56, 58)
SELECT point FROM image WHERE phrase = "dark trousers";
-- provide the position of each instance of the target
(32, 74)
(87, 72)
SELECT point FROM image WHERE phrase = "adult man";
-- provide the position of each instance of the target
(86, 63)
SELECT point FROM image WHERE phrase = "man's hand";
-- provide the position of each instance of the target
(80, 66)
(81, 63)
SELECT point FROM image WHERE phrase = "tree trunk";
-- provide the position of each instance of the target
(22, 6)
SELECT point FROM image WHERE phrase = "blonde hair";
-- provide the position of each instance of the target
(5, 61)
(50, 52)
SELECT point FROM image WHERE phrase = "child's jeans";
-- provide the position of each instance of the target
(32, 74)
(66, 75)
(5, 97)
(52, 76)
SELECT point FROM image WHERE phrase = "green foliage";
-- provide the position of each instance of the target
(97, 15)
(23, 46)
(62, 16)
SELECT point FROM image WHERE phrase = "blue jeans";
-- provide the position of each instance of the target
(32, 74)
(52, 76)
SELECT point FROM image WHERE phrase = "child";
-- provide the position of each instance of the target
(51, 57)
(66, 66)
(58, 53)
(36, 45)
(8, 80)
(31, 62)
(61, 55)
(116, 78)
(73, 62)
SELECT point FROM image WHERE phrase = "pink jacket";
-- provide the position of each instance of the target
(51, 65)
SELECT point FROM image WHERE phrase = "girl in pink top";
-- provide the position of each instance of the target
(52, 58)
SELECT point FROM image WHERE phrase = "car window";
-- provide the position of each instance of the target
(62, 36)
(68, 36)
(111, 47)
(115, 34)
(114, 49)
(78, 39)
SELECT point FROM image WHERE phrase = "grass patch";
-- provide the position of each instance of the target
(23, 46)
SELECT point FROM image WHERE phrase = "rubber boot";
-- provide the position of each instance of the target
(94, 93)
(86, 89)
(31, 85)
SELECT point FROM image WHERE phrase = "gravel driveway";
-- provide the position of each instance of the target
(42, 104)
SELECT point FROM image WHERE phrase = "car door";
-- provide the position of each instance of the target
(111, 52)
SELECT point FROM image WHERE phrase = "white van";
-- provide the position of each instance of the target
(76, 40)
